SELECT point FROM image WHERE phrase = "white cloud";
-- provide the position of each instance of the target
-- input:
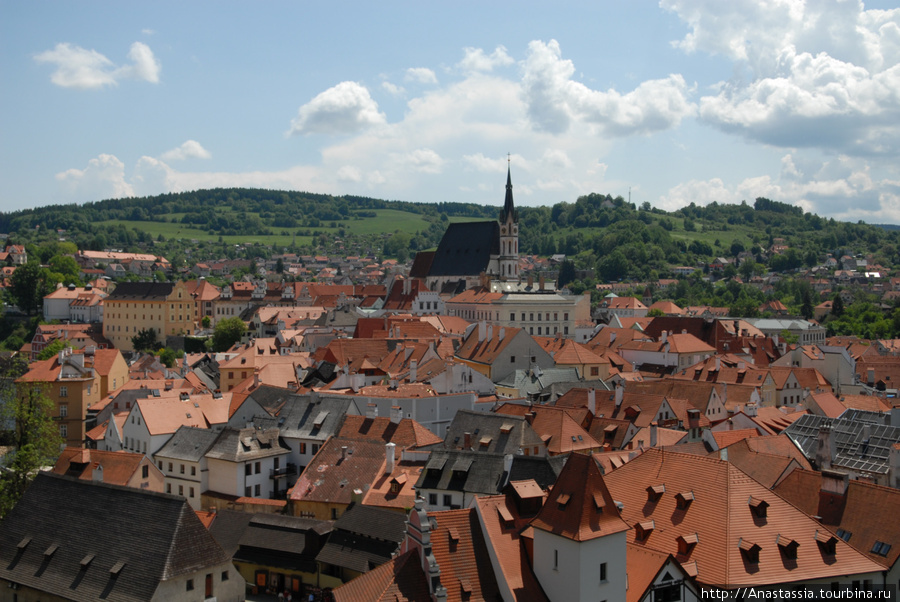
(103, 178)
(555, 101)
(392, 89)
(191, 149)
(78, 67)
(422, 160)
(347, 108)
(475, 60)
(423, 75)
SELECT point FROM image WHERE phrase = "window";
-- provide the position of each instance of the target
(276, 463)
(170, 467)
(602, 572)
(160, 465)
(191, 491)
(881, 548)
(63, 410)
(64, 430)
(512, 359)
(432, 499)
(302, 448)
(145, 471)
(247, 491)
(64, 391)
(190, 585)
(448, 500)
(257, 467)
(555, 560)
(182, 469)
(168, 487)
(315, 448)
(224, 575)
(256, 490)
(181, 490)
(193, 471)
(248, 470)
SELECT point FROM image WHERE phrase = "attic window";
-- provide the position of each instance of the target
(117, 568)
(599, 502)
(644, 529)
(845, 535)
(51, 550)
(506, 517)
(506, 428)
(749, 550)
(788, 547)
(485, 441)
(827, 542)
(881, 548)
(759, 507)
(684, 499)
(87, 560)
(563, 499)
(24, 543)
(454, 534)
(465, 586)
(686, 543)
(654, 492)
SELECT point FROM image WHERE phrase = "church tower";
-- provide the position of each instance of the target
(509, 236)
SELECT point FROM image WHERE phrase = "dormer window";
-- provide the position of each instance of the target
(599, 502)
(759, 507)
(827, 542)
(788, 547)
(563, 499)
(655, 492)
(749, 550)
(683, 500)
(880, 548)
(845, 535)
(686, 543)
(643, 530)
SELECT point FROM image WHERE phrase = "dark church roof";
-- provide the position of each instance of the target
(509, 207)
(466, 249)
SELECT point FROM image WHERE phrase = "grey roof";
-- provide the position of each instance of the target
(145, 291)
(189, 443)
(297, 417)
(861, 446)
(486, 433)
(241, 445)
(121, 549)
(363, 538)
(532, 382)
(866, 416)
(483, 473)
(466, 249)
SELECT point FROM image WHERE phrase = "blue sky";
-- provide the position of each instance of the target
(679, 101)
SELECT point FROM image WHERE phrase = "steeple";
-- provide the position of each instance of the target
(509, 208)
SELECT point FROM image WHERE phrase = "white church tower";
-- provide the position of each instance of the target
(509, 236)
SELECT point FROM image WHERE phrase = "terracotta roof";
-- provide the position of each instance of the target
(726, 438)
(580, 507)
(864, 515)
(459, 547)
(118, 467)
(333, 474)
(398, 580)
(720, 518)
(406, 433)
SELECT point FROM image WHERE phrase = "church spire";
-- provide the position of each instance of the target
(509, 208)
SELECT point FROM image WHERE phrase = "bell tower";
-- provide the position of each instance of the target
(509, 234)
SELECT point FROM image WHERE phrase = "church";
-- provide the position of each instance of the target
(469, 252)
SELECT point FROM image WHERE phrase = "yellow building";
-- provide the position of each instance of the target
(166, 307)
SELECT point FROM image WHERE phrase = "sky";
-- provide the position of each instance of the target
(669, 103)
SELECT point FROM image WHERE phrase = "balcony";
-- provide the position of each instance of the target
(284, 471)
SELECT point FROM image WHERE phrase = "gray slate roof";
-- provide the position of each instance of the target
(189, 443)
(241, 445)
(296, 418)
(50, 543)
(483, 473)
(363, 538)
(145, 291)
(860, 446)
(489, 427)
(466, 249)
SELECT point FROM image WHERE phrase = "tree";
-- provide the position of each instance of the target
(34, 437)
(227, 332)
(167, 357)
(566, 273)
(206, 321)
(52, 348)
(145, 340)
(837, 306)
(27, 287)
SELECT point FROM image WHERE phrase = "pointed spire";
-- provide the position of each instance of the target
(509, 208)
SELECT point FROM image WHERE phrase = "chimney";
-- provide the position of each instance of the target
(467, 440)
(372, 410)
(718, 363)
(826, 447)
(97, 474)
(482, 331)
(490, 332)
(894, 466)
(664, 337)
(396, 414)
(592, 401)
(653, 434)
(390, 455)
(612, 338)
(541, 282)
(751, 410)
(343, 452)
(834, 482)
(356, 497)
(620, 394)
(413, 371)
(501, 333)
(530, 280)
(507, 464)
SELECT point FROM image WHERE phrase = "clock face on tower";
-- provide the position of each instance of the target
(503, 230)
